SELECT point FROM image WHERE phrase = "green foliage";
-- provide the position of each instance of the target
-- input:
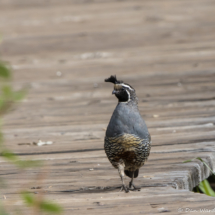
(8, 97)
(204, 185)
(1, 137)
(42, 205)
(50, 207)
(198, 158)
(10, 156)
(4, 71)
(28, 198)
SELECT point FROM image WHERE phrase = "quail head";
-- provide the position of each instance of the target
(127, 142)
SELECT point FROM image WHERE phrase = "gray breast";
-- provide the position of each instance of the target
(127, 119)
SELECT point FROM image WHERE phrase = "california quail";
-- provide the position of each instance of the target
(127, 142)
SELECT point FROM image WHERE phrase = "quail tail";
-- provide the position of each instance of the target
(131, 183)
(131, 173)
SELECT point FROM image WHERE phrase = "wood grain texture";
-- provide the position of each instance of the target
(62, 51)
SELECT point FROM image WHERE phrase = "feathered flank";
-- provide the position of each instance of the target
(113, 80)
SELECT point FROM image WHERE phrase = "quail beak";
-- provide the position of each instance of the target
(114, 92)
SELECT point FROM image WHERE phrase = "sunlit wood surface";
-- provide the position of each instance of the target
(62, 51)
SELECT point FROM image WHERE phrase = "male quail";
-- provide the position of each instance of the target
(127, 141)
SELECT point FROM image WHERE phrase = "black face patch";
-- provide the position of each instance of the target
(122, 95)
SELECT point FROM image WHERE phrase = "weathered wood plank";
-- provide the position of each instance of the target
(62, 51)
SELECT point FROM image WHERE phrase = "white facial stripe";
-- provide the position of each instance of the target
(124, 85)
(129, 97)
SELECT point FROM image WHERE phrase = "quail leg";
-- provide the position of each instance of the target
(121, 173)
(131, 184)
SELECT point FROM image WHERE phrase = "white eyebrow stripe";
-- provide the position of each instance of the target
(124, 85)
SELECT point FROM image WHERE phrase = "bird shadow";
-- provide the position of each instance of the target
(92, 189)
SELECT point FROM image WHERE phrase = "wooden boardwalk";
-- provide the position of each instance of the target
(62, 51)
